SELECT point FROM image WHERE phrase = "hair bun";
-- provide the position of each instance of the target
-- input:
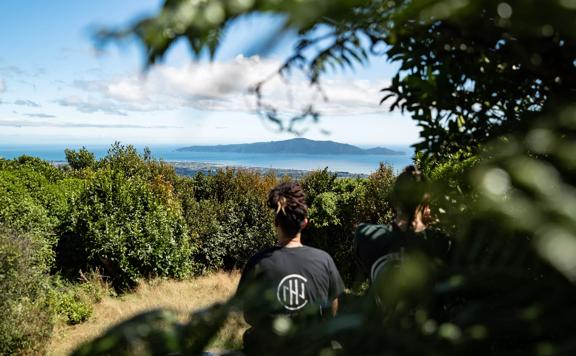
(289, 202)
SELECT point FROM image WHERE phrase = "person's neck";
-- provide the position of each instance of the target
(289, 242)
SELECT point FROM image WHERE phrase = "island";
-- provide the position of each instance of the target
(294, 146)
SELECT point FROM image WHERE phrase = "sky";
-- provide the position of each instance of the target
(56, 88)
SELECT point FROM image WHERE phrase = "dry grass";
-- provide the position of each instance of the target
(182, 296)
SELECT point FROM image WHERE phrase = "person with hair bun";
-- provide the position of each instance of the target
(289, 279)
(377, 247)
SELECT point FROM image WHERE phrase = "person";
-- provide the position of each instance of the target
(288, 280)
(377, 247)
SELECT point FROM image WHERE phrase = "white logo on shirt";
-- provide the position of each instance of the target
(291, 292)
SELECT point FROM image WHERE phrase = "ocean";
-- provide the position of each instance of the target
(357, 164)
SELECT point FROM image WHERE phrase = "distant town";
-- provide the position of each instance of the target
(192, 168)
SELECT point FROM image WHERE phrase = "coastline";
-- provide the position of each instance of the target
(189, 169)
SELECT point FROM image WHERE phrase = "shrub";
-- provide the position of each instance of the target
(25, 314)
(333, 216)
(374, 205)
(227, 215)
(125, 227)
(337, 205)
(453, 193)
(20, 211)
(80, 159)
(317, 182)
(72, 302)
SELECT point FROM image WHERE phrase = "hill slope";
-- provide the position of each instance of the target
(294, 146)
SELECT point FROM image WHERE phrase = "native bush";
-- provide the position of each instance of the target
(127, 229)
(80, 159)
(317, 182)
(72, 302)
(25, 314)
(452, 192)
(19, 210)
(333, 216)
(337, 205)
(374, 206)
(227, 216)
(36, 195)
(36, 165)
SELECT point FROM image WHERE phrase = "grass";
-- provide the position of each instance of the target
(182, 296)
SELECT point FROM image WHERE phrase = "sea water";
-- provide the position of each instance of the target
(358, 164)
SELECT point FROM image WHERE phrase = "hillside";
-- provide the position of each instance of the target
(294, 146)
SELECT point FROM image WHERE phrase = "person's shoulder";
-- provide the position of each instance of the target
(262, 254)
(364, 230)
(315, 251)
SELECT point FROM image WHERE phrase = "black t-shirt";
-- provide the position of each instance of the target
(378, 246)
(288, 280)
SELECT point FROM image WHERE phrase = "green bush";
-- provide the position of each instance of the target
(20, 210)
(72, 302)
(453, 194)
(374, 206)
(317, 182)
(129, 228)
(228, 217)
(25, 314)
(80, 159)
(338, 205)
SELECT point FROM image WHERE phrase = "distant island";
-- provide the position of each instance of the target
(295, 146)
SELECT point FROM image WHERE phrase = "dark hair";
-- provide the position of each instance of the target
(410, 191)
(289, 202)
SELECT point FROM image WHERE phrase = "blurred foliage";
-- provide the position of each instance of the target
(158, 332)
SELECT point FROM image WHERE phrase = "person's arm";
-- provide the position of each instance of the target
(336, 286)
(244, 290)
(334, 307)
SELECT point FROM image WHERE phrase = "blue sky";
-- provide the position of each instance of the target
(56, 89)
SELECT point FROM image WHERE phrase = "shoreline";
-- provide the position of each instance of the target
(190, 169)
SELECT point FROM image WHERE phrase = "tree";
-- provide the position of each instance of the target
(80, 159)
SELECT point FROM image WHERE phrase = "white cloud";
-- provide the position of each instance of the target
(27, 102)
(40, 115)
(2, 86)
(91, 105)
(12, 71)
(224, 86)
(27, 123)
